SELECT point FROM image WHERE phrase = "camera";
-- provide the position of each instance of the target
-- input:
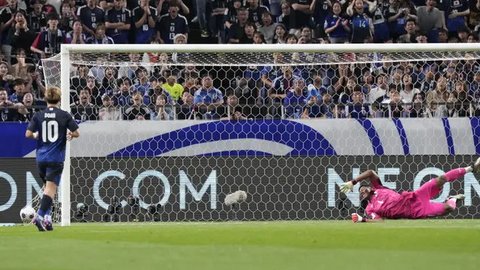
(134, 203)
(81, 212)
(113, 210)
(153, 212)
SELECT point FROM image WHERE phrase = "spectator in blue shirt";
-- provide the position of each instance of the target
(295, 100)
(336, 26)
(48, 42)
(171, 24)
(90, 15)
(118, 22)
(144, 17)
(208, 98)
(357, 109)
(19, 88)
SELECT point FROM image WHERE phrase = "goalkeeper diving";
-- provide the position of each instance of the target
(386, 203)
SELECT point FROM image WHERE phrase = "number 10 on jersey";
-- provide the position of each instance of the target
(49, 131)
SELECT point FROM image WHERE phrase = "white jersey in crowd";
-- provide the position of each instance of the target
(375, 93)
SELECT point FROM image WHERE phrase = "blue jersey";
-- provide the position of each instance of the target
(118, 16)
(338, 32)
(91, 17)
(144, 33)
(207, 96)
(255, 14)
(360, 25)
(358, 111)
(169, 27)
(457, 6)
(294, 104)
(52, 124)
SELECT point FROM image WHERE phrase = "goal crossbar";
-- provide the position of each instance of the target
(265, 48)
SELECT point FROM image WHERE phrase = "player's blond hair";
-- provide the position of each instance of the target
(53, 95)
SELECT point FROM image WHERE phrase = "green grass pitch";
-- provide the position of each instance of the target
(390, 245)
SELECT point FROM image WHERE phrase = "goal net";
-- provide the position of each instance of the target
(168, 132)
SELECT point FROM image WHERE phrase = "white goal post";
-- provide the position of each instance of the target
(331, 54)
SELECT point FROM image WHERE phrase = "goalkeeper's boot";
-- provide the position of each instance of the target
(38, 221)
(452, 201)
(457, 197)
(48, 223)
(476, 166)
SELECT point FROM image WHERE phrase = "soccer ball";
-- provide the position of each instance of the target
(27, 214)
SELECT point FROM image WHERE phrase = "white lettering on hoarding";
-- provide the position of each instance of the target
(96, 187)
(157, 174)
(185, 183)
(210, 183)
(32, 184)
(382, 174)
(469, 183)
(334, 179)
(13, 193)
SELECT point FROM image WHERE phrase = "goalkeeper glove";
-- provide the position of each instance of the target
(357, 218)
(346, 187)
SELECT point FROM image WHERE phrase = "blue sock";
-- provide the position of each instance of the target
(41, 213)
(45, 206)
(48, 216)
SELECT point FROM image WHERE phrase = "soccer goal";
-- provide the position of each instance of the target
(279, 122)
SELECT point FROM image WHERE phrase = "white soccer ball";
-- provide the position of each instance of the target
(235, 197)
(27, 214)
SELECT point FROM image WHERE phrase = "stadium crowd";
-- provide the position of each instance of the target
(32, 30)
